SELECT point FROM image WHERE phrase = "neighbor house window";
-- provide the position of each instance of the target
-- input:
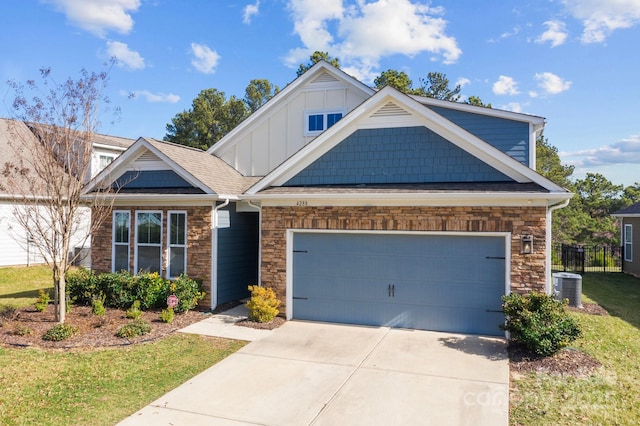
(177, 243)
(148, 241)
(628, 243)
(317, 122)
(104, 161)
(120, 250)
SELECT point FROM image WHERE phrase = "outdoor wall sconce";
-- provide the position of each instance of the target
(527, 244)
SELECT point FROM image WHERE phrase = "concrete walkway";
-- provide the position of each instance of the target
(309, 373)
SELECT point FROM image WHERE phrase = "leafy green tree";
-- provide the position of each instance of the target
(314, 59)
(476, 101)
(258, 92)
(397, 79)
(600, 197)
(631, 194)
(211, 117)
(548, 164)
(436, 85)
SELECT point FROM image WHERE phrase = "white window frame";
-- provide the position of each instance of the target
(137, 244)
(105, 156)
(114, 243)
(170, 246)
(324, 113)
(628, 242)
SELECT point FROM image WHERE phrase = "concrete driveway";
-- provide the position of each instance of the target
(309, 373)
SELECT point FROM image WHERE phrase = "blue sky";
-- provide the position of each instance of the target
(574, 62)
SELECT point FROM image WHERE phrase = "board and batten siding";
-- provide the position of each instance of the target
(274, 137)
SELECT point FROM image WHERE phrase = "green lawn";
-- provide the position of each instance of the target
(611, 395)
(91, 387)
(19, 285)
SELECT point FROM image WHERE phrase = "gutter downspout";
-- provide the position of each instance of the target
(550, 210)
(214, 253)
(259, 208)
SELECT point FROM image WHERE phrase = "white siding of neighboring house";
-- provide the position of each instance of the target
(14, 249)
(268, 142)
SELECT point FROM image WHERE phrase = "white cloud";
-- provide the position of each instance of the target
(126, 57)
(204, 59)
(556, 33)
(551, 83)
(512, 106)
(154, 97)
(99, 16)
(505, 86)
(249, 11)
(601, 17)
(462, 82)
(364, 32)
(533, 94)
(625, 151)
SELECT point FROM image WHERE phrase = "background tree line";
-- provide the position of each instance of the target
(586, 220)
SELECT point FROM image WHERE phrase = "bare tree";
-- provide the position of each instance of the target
(51, 138)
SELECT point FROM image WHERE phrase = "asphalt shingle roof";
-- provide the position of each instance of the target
(632, 209)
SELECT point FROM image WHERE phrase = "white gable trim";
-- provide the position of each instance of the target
(231, 138)
(390, 108)
(125, 163)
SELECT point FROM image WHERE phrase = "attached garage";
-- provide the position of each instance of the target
(432, 281)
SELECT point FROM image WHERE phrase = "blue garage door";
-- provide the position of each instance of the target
(429, 282)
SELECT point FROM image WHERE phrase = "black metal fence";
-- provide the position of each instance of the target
(581, 259)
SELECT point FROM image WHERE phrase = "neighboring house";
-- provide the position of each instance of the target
(16, 243)
(355, 205)
(630, 233)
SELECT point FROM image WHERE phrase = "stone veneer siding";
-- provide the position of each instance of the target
(198, 243)
(527, 271)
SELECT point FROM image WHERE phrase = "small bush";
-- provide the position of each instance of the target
(263, 305)
(134, 329)
(539, 322)
(167, 315)
(60, 332)
(42, 301)
(134, 311)
(22, 330)
(82, 286)
(97, 307)
(188, 291)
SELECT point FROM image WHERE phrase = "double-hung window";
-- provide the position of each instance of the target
(177, 243)
(317, 122)
(148, 241)
(120, 250)
(628, 242)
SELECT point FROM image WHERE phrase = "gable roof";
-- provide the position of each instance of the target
(391, 108)
(321, 71)
(205, 172)
(630, 211)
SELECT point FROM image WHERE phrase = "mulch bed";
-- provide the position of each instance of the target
(566, 362)
(93, 331)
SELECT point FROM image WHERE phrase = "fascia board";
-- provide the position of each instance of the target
(414, 199)
(623, 215)
(263, 112)
(437, 123)
(165, 199)
(109, 147)
(537, 121)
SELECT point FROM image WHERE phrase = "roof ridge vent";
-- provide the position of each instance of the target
(390, 109)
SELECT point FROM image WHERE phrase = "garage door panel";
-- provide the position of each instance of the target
(434, 282)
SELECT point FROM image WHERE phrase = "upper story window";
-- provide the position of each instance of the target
(104, 161)
(317, 122)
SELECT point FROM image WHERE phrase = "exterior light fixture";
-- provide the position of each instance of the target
(527, 244)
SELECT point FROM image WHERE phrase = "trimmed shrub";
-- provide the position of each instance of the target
(134, 311)
(60, 332)
(539, 322)
(97, 307)
(120, 290)
(134, 329)
(263, 305)
(167, 315)
(42, 301)
(188, 291)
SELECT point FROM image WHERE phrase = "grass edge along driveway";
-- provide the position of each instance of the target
(611, 395)
(91, 387)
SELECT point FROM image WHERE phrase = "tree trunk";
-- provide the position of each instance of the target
(59, 291)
